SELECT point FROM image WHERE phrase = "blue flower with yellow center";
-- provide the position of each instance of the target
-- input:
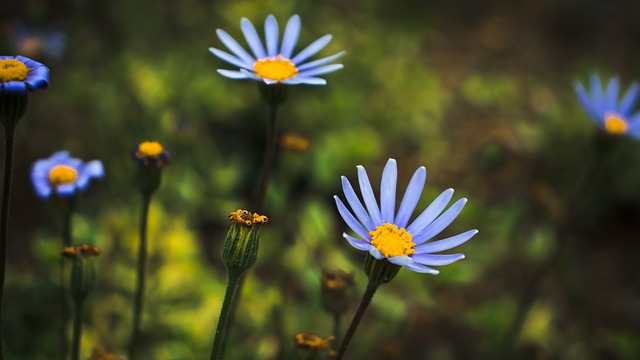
(611, 114)
(275, 64)
(19, 74)
(386, 234)
(63, 175)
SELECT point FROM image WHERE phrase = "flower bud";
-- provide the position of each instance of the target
(313, 344)
(335, 286)
(240, 249)
(83, 274)
(152, 158)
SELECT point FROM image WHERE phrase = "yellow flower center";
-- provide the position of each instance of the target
(61, 175)
(615, 125)
(391, 241)
(149, 149)
(13, 70)
(277, 68)
(247, 217)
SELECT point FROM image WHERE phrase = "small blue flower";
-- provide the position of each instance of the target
(273, 64)
(19, 74)
(610, 114)
(63, 175)
(385, 234)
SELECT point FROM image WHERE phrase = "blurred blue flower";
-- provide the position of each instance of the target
(63, 175)
(19, 74)
(610, 114)
(385, 234)
(275, 64)
(34, 42)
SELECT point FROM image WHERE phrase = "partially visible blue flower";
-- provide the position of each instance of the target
(386, 234)
(19, 74)
(63, 175)
(35, 42)
(275, 64)
(611, 114)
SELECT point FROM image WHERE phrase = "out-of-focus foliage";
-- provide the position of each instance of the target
(480, 92)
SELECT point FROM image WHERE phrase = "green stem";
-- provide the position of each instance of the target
(77, 328)
(364, 303)
(141, 271)
(64, 313)
(337, 319)
(4, 214)
(219, 341)
(267, 161)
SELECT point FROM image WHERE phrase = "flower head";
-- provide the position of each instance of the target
(609, 113)
(314, 343)
(63, 175)
(151, 153)
(19, 74)
(273, 64)
(388, 235)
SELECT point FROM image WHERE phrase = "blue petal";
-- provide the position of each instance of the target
(356, 243)
(306, 80)
(251, 35)
(400, 260)
(350, 220)
(411, 197)
(440, 223)
(634, 126)
(368, 197)
(431, 212)
(388, 191)
(234, 47)
(585, 101)
(321, 70)
(233, 74)
(436, 260)
(596, 95)
(445, 244)
(311, 49)
(322, 61)
(356, 205)
(271, 34)
(629, 100)
(612, 93)
(92, 169)
(290, 38)
(422, 269)
(375, 253)
(231, 59)
(251, 75)
(66, 189)
(14, 87)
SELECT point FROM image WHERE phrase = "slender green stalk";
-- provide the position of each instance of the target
(4, 214)
(267, 161)
(64, 313)
(337, 329)
(234, 282)
(364, 303)
(78, 302)
(141, 272)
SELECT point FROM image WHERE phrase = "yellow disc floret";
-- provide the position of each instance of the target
(615, 125)
(247, 218)
(61, 175)
(391, 241)
(13, 70)
(277, 68)
(149, 149)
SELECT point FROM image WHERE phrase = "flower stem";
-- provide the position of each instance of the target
(337, 319)
(364, 303)
(77, 327)
(267, 161)
(141, 271)
(4, 213)
(233, 285)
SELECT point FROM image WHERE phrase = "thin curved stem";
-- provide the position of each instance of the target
(267, 161)
(219, 341)
(77, 328)
(141, 273)
(364, 303)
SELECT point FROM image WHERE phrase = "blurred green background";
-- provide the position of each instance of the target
(480, 92)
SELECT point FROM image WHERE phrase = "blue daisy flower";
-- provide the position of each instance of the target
(273, 64)
(386, 234)
(610, 114)
(19, 74)
(63, 175)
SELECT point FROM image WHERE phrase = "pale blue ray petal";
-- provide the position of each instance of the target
(368, 197)
(445, 244)
(269, 81)
(584, 100)
(436, 260)
(400, 260)
(612, 93)
(356, 243)
(233, 74)
(92, 169)
(440, 223)
(311, 81)
(322, 61)
(629, 99)
(251, 75)
(634, 126)
(350, 220)
(431, 212)
(234, 47)
(375, 253)
(388, 191)
(271, 34)
(411, 197)
(66, 189)
(422, 269)
(251, 35)
(231, 59)
(320, 70)
(311, 49)
(290, 37)
(356, 205)
(596, 94)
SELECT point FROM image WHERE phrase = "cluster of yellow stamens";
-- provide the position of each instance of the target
(247, 218)
(277, 68)
(61, 175)
(13, 70)
(149, 149)
(615, 125)
(391, 241)
(314, 342)
(83, 249)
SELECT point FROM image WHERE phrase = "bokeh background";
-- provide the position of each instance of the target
(480, 92)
